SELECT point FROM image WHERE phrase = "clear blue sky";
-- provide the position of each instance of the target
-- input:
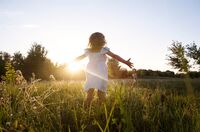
(140, 29)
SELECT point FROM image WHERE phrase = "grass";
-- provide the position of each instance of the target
(147, 105)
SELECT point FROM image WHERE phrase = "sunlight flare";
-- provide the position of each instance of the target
(74, 67)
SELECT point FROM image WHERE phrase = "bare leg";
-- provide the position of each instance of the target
(101, 96)
(90, 95)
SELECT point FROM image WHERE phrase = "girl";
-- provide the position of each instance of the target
(96, 70)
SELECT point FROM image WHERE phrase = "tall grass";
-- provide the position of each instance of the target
(155, 105)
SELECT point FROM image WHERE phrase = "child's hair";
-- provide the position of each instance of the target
(96, 41)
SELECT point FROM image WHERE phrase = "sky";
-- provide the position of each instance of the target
(138, 29)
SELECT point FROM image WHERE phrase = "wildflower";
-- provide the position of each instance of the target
(20, 78)
(35, 81)
(33, 77)
(3, 82)
(34, 107)
(134, 75)
(18, 72)
(8, 123)
(52, 78)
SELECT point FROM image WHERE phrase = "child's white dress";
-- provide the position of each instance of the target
(96, 70)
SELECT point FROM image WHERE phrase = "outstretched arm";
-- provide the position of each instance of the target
(80, 57)
(117, 57)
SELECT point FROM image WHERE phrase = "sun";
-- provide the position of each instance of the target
(74, 67)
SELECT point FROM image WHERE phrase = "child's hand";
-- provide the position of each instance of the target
(80, 57)
(128, 63)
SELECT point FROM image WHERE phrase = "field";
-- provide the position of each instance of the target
(144, 106)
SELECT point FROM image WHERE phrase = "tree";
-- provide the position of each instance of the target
(179, 61)
(177, 58)
(193, 52)
(124, 73)
(18, 61)
(113, 68)
(10, 74)
(37, 50)
(60, 72)
(169, 73)
(4, 58)
(35, 60)
(47, 69)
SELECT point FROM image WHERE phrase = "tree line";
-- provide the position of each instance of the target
(185, 58)
(36, 63)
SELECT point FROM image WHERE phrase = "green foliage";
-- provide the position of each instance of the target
(18, 61)
(193, 52)
(10, 75)
(113, 68)
(37, 62)
(147, 106)
(38, 51)
(177, 57)
(4, 57)
(142, 73)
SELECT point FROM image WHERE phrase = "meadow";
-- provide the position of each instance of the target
(146, 105)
